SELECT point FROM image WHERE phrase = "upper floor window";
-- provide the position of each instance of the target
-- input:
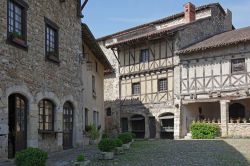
(144, 56)
(108, 111)
(96, 118)
(17, 10)
(96, 66)
(238, 65)
(136, 88)
(86, 117)
(162, 85)
(46, 115)
(51, 40)
(93, 86)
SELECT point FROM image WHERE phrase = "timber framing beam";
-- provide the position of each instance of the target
(116, 56)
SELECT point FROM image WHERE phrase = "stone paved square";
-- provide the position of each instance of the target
(184, 153)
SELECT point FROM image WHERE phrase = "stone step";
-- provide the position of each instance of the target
(188, 136)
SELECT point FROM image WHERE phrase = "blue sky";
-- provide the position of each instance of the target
(105, 17)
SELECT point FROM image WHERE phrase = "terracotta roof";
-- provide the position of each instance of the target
(220, 40)
(90, 41)
(166, 19)
(156, 34)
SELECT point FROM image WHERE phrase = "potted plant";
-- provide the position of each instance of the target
(118, 146)
(17, 38)
(107, 146)
(94, 135)
(126, 139)
(81, 161)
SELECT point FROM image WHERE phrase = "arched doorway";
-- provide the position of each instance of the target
(236, 111)
(67, 125)
(138, 125)
(167, 125)
(17, 139)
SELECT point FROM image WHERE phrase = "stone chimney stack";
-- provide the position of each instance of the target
(228, 20)
(189, 10)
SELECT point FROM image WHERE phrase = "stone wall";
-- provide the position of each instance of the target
(241, 130)
(28, 73)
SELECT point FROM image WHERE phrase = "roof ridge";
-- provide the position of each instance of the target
(159, 20)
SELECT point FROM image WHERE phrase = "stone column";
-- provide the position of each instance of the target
(158, 128)
(146, 127)
(224, 113)
(177, 121)
(33, 119)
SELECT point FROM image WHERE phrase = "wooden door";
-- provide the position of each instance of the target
(152, 127)
(124, 124)
(67, 126)
(17, 124)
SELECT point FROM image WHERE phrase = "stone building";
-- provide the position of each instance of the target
(148, 73)
(96, 65)
(43, 88)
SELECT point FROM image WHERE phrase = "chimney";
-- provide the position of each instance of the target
(189, 10)
(228, 20)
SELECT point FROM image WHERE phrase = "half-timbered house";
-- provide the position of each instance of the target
(215, 83)
(148, 70)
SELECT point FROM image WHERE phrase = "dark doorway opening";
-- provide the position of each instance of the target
(152, 127)
(68, 125)
(124, 124)
(236, 111)
(167, 126)
(138, 125)
(17, 139)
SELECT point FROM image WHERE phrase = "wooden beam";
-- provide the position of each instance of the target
(116, 56)
(84, 4)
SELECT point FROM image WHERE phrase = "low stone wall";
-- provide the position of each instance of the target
(239, 130)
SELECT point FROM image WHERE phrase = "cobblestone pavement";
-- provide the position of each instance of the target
(184, 153)
(65, 158)
(229, 152)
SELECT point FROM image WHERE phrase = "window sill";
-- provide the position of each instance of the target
(53, 58)
(20, 43)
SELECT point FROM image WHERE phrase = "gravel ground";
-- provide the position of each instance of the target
(184, 153)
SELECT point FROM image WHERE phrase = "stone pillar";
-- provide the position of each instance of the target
(177, 121)
(158, 128)
(146, 127)
(224, 113)
(33, 126)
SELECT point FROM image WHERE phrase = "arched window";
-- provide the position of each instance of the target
(67, 117)
(236, 111)
(46, 115)
(108, 111)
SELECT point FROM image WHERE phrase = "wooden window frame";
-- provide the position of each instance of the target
(234, 62)
(142, 53)
(18, 41)
(49, 56)
(44, 115)
(133, 91)
(159, 85)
